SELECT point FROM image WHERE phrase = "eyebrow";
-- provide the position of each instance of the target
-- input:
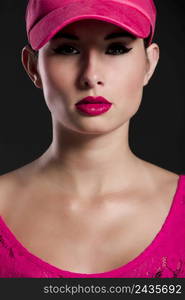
(110, 36)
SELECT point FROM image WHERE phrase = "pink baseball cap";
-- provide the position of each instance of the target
(44, 18)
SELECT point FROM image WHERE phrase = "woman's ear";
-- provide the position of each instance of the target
(152, 53)
(30, 61)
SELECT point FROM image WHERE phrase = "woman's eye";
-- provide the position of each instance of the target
(117, 49)
(65, 50)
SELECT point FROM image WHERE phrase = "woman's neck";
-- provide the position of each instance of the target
(91, 165)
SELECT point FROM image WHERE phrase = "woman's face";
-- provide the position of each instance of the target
(70, 69)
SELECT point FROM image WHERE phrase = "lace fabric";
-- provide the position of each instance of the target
(163, 258)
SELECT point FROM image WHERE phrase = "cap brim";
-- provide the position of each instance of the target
(122, 15)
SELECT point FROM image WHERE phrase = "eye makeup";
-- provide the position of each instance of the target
(117, 48)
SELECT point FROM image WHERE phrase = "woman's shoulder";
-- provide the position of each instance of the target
(8, 186)
(12, 185)
(160, 174)
(5, 186)
(18, 184)
(164, 181)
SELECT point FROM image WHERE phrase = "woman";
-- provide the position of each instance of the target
(89, 207)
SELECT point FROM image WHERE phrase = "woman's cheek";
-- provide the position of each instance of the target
(53, 80)
(135, 76)
(132, 89)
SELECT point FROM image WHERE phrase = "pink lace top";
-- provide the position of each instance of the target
(163, 258)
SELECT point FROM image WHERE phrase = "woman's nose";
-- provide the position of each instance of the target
(92, 73)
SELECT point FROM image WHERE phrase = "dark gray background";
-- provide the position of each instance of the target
(157, 130)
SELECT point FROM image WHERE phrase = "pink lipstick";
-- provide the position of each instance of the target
(93, 106)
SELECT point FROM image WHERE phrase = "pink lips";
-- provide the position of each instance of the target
(93, 105)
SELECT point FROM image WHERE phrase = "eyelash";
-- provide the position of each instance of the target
(61, 49)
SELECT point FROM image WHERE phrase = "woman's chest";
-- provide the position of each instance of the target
(87, 241)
